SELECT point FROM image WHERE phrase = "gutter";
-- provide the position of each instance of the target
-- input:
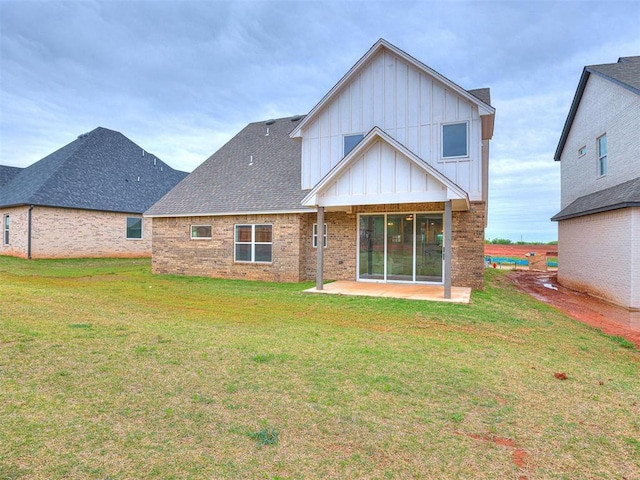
(29, 233)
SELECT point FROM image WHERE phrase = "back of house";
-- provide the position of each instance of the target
(384, 180)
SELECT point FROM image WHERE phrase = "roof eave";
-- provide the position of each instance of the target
(559, 216)
(572, 113)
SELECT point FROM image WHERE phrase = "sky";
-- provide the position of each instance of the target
(181, 78)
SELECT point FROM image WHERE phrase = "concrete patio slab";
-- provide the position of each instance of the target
(433, 293)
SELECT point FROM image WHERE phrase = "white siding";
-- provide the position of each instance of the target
(380, 175)
(407, 104)
(608, 108)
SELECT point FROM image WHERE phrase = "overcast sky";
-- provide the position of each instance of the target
(180, 78)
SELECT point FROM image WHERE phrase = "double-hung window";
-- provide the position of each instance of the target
(5, 228)
(315, 235)
(602, 156)
(455, 140)
(253, 243)
(134, 228)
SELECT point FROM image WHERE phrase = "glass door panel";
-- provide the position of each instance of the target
(429, 237)
(371, 247)
(400, 247)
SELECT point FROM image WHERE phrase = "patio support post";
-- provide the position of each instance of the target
(320, 246)
(447, 248)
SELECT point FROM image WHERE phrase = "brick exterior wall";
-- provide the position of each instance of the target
(72, 233)
(598, 254)
(294, 258)
(175, 252)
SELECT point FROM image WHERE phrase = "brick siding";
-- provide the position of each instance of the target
(72, 233)
(294, 258)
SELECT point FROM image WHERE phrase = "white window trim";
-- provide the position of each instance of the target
(200, 238)
(442, 157)
(582, 153)
(253, 242)
(315, 235)
(600, 157)
(6, 225)
(126, 231)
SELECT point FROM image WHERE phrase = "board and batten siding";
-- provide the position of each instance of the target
(383, 175)
(407, 104)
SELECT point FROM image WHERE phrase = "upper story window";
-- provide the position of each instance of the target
(602, 156)
(200, 232)
(253, 243)
(582, 151)
(350, 141)
(134, 228)
(455, 140)
(5, 226)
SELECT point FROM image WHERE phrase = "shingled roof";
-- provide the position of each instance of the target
(625, 73)
(258, 170)
(7, 173)
(624, 195)
(100, 170)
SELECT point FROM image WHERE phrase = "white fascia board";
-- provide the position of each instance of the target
(483, 108)
(227, 214)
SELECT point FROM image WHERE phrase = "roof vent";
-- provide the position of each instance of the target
(270, 122)
(296, 118)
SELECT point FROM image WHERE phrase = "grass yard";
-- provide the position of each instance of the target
(109, 372)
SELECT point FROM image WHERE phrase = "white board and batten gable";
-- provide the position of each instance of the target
(381, 170)
(391, 91)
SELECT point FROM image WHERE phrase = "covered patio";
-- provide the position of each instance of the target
(412, 291)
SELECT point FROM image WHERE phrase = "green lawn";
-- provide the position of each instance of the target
(109, 372)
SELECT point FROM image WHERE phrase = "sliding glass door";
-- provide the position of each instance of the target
(401, 247)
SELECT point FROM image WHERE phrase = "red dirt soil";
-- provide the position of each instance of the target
(604, 316)
(608, 318)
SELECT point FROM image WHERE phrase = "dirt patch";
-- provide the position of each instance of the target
(518, 456)
(517, 251)
(608, 318)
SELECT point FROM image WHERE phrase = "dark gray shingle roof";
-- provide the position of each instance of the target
(624, 195)
(7, 174)
(229, 182)
(100, 170)
(626, 73)
(483, 94)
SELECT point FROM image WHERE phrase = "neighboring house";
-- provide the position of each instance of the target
(84, 200)
(599, 151)
(7, 173)
(392, 164)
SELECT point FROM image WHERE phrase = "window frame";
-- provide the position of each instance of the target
(442, 130)
(210, 227)
(582, 151)
(130, 227)
(314, 235)
(252, 243)
(344, 142)
(6, 225)
(602, 164)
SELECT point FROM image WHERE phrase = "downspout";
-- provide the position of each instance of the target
(29, 233)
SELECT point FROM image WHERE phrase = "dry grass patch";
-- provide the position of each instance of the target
(109, 372)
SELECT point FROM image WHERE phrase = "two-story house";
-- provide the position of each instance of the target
(385, 180)
(599, 151)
